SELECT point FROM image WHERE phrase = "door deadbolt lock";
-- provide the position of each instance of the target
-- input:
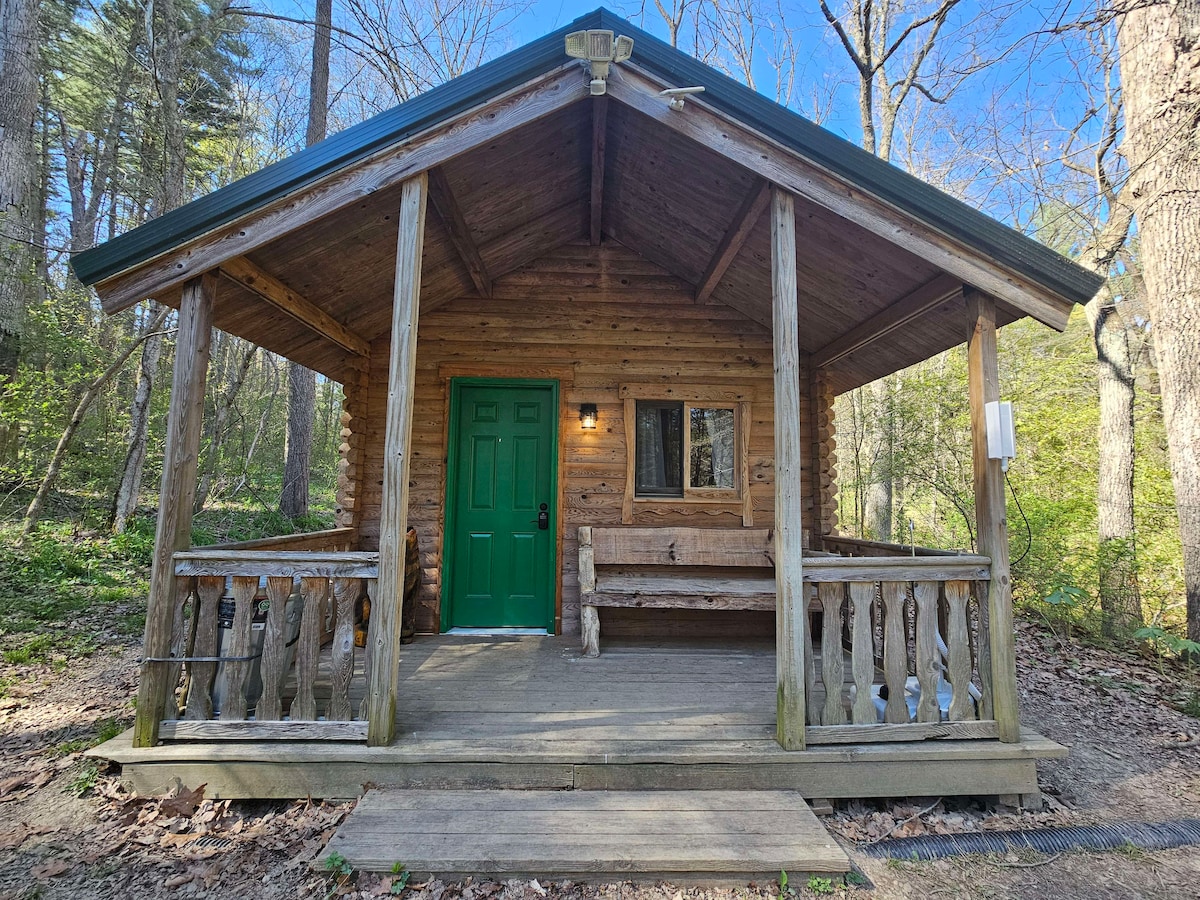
(543, 519)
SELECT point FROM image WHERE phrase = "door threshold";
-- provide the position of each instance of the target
(497, 632)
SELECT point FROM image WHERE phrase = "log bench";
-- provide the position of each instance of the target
(672, 568)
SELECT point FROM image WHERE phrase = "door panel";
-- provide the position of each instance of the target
(500, 565)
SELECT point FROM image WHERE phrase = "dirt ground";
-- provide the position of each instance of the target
(69, 829)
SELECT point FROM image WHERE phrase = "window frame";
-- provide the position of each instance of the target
(736, 499)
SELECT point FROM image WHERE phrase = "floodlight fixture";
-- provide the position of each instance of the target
(677, 95)
(600, 48)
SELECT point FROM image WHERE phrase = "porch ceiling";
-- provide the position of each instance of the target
(664, 195)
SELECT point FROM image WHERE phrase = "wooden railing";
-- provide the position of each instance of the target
(915, 635)
(850, 546)
(304, 597)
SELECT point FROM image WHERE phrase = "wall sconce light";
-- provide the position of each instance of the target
(587, 416)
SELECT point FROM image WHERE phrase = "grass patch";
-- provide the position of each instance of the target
(132, 624)
(104, 730)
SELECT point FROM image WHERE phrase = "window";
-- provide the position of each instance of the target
(689, 450)
(681, 448)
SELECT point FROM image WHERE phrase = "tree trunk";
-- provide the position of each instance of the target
(126, 500)
(302, 383)
(167, 53)
(878, 425)
(34, 512)
(220, 425)
(1160, 56)
(1120, 597)
(297, 449)
(18, 179)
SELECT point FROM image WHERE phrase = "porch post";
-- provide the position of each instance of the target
(791, 613)
(393, 513)
(174, 528)
(991, 515)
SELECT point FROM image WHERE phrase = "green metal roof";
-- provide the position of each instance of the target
(924, 202)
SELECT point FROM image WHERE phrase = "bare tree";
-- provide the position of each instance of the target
(405, 47)
(736, 37)
(891, 45)
(302, 382)
(1159, 54)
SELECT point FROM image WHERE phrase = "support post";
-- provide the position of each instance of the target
(991, 514)
(791, 613)
(386, 611)
(174, 529)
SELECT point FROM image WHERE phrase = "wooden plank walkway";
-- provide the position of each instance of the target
(587, 835)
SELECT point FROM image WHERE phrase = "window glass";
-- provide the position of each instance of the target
(712, 459)
(659, 448)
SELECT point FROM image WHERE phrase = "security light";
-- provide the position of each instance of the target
(677, 95)
(600, 48)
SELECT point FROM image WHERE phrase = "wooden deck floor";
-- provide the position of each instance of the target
(530, 712)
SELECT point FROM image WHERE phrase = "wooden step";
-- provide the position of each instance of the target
(587, 835)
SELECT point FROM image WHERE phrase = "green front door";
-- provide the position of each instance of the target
(500, 530)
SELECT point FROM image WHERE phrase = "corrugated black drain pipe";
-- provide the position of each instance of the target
(1143, 835)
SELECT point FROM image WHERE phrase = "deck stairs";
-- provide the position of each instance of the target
(682, 836)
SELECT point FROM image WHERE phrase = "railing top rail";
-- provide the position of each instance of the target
(895, 568)
(329, 535)
(897, 549)
(281, 563)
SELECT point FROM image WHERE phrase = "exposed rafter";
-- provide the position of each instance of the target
(456, 226)
(731, 244)
(928, 296)
(599, 136)
(283, 298)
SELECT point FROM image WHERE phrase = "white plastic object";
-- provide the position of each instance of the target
(1001, 435)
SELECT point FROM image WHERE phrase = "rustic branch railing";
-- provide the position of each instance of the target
(917, 622)
(332, 539)
(319, 588)
(849, 546)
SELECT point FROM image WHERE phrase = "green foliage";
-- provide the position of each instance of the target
(103, 730)
(83, 782)
(784, 890)
(1165, 642)
(1052, 522)
(339, 871)
(819, 885)
(55, 578)
(400, 877)
(1189, 707)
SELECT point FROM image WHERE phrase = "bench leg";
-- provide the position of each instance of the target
(590, 619)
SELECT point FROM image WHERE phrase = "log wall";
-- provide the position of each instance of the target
(594, 318)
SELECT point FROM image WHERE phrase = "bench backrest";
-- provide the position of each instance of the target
(676, 546)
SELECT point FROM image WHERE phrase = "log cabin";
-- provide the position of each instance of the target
(589, 330)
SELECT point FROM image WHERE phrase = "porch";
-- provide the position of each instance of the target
(531, 712)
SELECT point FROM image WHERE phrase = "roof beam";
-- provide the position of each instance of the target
(914, 304)
(530, 102)
(806, 178)
(283, 298)
(599, 137)
(734, 239)
(456, 226)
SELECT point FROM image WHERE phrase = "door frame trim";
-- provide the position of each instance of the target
(454, 386)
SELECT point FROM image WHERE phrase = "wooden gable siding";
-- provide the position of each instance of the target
(609, 317)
